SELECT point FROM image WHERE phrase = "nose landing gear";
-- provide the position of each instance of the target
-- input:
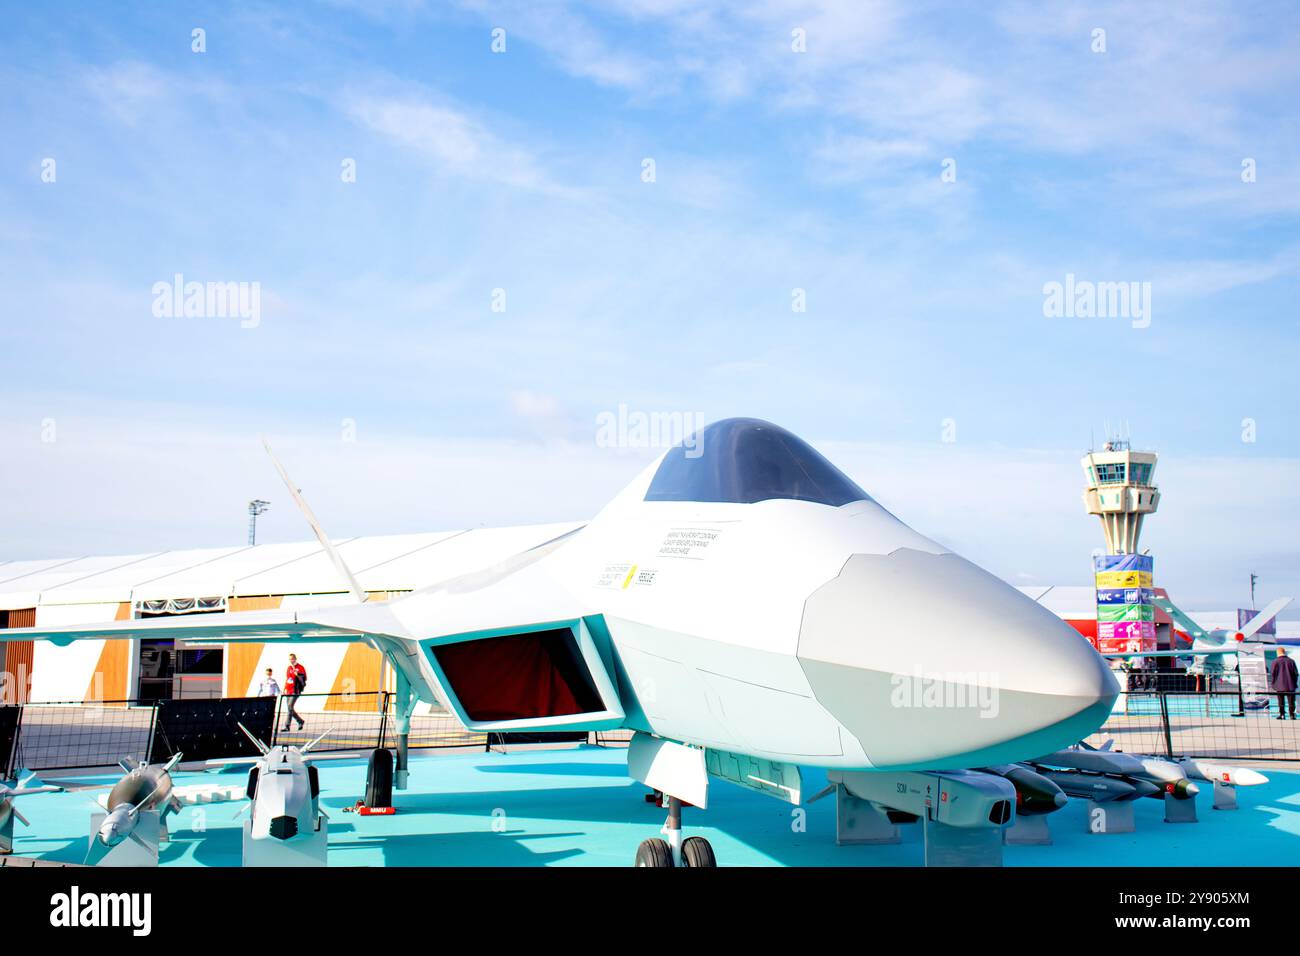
(674, 851)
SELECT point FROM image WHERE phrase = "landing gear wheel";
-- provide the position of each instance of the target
(654, 852)
(697, 852)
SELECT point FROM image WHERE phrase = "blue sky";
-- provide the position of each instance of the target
(775, 170)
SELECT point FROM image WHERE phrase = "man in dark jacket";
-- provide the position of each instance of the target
(1283, 679)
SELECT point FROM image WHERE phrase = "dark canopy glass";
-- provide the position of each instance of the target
(744, 460)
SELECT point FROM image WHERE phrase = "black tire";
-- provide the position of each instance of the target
(696, 852)
(654, 852)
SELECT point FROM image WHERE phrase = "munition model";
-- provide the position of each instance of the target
(145, 787)
(284, 789)
(1221, 774)
(9, 813)
(1081, 772)
(1036, 794)
(1097, 787)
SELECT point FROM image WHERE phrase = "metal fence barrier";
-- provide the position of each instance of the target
(1214, 724)
(68, 735)
(72, 734)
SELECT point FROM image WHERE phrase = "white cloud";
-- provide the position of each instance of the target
(456, 142)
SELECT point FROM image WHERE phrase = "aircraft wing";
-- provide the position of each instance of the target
(1180, 618)
(1261, 619)
(1184, 652)
(217, 628)
(374, 624)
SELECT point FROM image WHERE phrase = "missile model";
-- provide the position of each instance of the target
(1221, 774)
(9, 813)
(1094, 761)
(1097, 787)
(145, 787)
(284, 789)
(959, 798)
(1036, 794)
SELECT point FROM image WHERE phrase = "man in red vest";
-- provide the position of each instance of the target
(295, 680)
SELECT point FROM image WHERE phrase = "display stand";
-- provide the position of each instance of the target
(1225, 796)
(1111, 817)
(1179, 811)
(7, 835)
(313, 851)
(962, 846)
(130, 852)
(858, 822)
(1028, 831)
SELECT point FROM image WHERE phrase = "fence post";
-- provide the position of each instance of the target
(1164, 719)
(153, 729)
(14, 754)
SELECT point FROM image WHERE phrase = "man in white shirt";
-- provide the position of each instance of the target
(268, 687)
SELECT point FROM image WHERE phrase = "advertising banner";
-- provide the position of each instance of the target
(1144, 631)
(1124, 562)
(1123, 579)
(1125, 612)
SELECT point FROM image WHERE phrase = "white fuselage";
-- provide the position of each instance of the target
(795, 631)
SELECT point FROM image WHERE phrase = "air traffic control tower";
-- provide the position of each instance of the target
(1120, 492)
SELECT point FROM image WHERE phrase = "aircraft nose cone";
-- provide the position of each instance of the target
(934, 663)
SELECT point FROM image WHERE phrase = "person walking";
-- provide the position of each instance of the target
(1283, 678)
(295, 681)
(268, 687)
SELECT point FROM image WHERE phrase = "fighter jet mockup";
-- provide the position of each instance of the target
(745, 608)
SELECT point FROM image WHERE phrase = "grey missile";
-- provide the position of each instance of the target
(144, 787)
(1168, 777)
(1096, 761)
(1035, 794)
(1097, 787)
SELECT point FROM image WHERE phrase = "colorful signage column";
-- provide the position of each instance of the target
(1125, 615)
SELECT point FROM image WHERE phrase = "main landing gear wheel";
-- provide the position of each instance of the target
(655, 852)
(697, 852)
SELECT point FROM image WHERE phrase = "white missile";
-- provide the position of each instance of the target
(1221, 773)
(959, 798)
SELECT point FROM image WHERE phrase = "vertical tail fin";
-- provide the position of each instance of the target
(339, 564)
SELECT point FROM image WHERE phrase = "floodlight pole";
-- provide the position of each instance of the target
(255, 508)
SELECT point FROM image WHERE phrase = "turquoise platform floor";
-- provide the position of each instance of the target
(577, 807)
